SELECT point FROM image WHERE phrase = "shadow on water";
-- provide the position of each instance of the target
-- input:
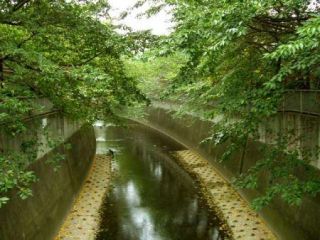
(151, 197)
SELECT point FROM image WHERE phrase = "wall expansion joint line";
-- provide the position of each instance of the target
(82, 222)
(241, 221)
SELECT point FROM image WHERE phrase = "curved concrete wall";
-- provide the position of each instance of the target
(287, 222)
(39, 217)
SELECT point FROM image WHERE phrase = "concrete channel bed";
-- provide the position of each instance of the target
(240, 220)
(82, 222)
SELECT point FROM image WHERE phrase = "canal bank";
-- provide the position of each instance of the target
(152, 196)
(241, 222)
(83, 219)
(287, 222)
(39, 217)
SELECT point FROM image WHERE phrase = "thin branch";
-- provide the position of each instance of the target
(19, 5)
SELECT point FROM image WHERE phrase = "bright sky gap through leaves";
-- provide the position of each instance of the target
(159, 24)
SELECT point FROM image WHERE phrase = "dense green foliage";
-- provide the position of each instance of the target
(242, 57)
(60, 50)
(64, 51)
(229, 58)
(154, 73)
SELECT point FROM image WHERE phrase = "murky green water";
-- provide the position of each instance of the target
(152, 198)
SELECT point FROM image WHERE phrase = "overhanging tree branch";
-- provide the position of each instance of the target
(20, 4)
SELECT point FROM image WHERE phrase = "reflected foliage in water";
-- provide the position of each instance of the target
(151, 198)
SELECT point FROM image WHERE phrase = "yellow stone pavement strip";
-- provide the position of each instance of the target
(241, 221)
(82, 223)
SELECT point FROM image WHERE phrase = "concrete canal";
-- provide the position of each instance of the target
(150, 197)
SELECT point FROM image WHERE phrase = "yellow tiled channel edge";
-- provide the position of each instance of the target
(239, 220)
(82, 222)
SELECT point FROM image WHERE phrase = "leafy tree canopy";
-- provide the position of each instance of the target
(66, 51)
(235, 58)
(63, 51)
(154, 73)
(242, 57)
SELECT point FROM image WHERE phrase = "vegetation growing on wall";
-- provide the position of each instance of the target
(242, 57)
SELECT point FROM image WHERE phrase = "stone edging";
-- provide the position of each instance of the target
(241, 222)
(82, 222)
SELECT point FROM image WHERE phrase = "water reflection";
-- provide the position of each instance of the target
(152, 198)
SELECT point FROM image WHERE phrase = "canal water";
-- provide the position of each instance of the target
(151, 197)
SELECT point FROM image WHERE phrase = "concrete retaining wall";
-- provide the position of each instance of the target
(40, 216)
(287, 222)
